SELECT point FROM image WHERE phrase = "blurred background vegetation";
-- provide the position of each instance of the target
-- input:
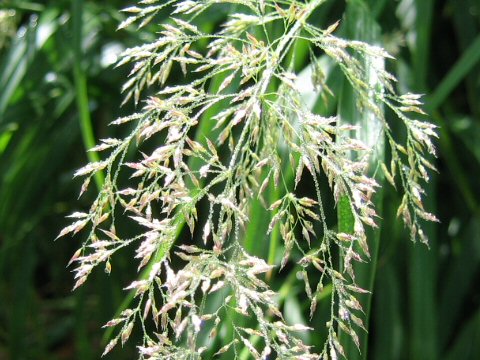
(59, 91)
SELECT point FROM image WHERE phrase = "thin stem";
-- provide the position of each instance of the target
(81, 91)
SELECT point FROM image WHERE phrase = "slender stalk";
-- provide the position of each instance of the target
(81, 332)
(80, 80)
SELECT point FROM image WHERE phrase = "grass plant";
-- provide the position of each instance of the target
(59, 93)
(264, 139)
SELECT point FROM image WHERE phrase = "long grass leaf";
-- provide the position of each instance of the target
(362, 26)
(469, 59)
(422, 269)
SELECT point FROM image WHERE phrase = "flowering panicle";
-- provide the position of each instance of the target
(228, 133)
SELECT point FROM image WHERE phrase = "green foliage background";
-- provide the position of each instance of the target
(58, 94)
